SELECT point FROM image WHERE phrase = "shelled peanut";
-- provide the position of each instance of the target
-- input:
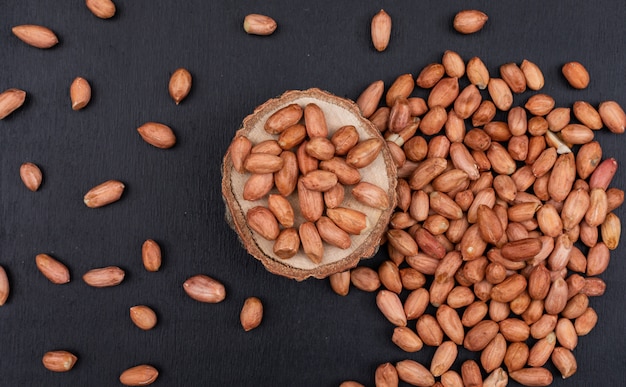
(306, 167)
(504, 227)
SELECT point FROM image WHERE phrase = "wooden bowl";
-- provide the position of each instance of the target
(381, 172)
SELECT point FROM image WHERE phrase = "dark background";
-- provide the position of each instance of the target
(309, 336)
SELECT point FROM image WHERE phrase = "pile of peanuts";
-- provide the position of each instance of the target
(504, 227)
(314, 167)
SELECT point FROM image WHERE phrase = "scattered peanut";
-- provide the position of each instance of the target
(151, 255)
(143, 317)
(31, 176)
(255, 24)
(59, 361)
(52, 269)
(140, 375)
(576, 75)
(251, 313)
(80, 93)
(157, 134)
(104, 277)
(11, 100)
(104, 9)
(4, 286)
(469, 21)
(204, 289)
(105, 193)
(381, 30)
(35, 35)
(179, 85)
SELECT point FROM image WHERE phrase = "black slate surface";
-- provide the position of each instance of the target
(309, 335)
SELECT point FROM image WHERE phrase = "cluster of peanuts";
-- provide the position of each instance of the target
(504, 228)
(306, 165)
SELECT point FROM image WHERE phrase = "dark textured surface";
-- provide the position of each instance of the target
(309, 336)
